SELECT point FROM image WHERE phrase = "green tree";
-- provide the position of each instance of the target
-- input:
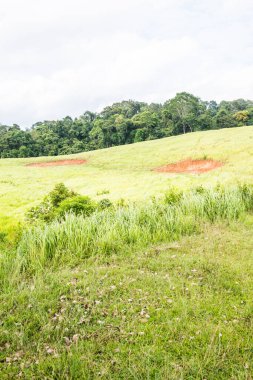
(242, 117)
(224, 119)
(183, 110)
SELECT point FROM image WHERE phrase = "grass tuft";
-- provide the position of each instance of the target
(126, 228)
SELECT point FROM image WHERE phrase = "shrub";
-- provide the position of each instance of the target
(44, 212)
(78, 205)
(59, 194)
(60, 201)
(104, 203)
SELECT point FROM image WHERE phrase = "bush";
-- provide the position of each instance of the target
(78, 205)
(59, 194)
(60, 201)
(47, 209)
(104, 203)
(44, 212)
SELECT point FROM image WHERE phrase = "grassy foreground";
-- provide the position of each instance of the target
(160, 290)
(179, 310)
(126, 171)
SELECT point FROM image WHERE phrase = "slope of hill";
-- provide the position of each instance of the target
(158, 289)
(126, 171)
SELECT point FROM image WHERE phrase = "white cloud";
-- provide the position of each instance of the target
(60, 58)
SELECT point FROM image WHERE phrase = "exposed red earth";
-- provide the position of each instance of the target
(57, 163)
(190, 166)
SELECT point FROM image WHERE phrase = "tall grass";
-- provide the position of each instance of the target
(126, 228)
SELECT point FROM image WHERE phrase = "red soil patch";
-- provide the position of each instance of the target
(190, 166)
(57, 163)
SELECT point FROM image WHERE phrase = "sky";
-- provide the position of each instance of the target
(60, 57)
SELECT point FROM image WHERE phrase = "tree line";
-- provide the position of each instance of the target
(122, 123)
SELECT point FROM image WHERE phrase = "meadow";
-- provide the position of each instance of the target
(126, 171)
(158, 290)
(158, 287)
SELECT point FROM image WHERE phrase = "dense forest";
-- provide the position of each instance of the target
(123, 123)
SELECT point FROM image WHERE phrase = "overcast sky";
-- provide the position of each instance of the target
(60, 57)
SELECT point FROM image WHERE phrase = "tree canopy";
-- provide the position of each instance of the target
(123, 123)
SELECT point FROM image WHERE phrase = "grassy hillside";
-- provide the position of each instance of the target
(160, 289)
(126, 171)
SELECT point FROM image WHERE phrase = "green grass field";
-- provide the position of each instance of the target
(126, 171)
(171, 311)
(154, 289)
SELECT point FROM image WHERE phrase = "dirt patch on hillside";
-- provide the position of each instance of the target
(57, 163)
(190, 166)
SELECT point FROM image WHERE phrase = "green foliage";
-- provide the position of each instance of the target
(123, 123)
(224, 119)
(173, 196)
(104, 203)
(59, 201)
(78, 205)
(184, 111)
(59, 194)
(47, 209)
(131, 225)
(140, 135)
(62, 201)
(242, 117)
(43, 212)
